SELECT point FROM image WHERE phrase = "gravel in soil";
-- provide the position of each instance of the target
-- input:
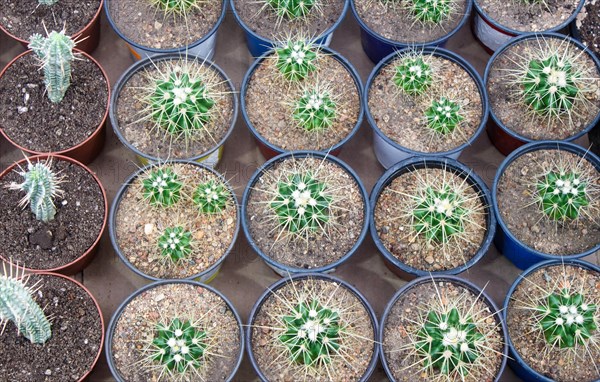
(401, 117)
(341, 232)
(521, 213)
(31, 120)
(393, 222)
(402, 325)
(136, 328)
(139, 225)
(394, 21)
(270, 100)
(504, 92)
(529, 17)
(76, 226)
(148, 25)
(356, 335)
(588, 25)
(22, 18)
(140, 130)
(560, 364)
(75, 342)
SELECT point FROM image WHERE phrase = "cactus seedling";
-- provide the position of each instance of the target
(56, 54)
(47, 2)
(430, 11)
(443, 116)
(561, 195)
(175, 243)
(161, 187)
(315, 110)
(211, 197)
(179, 346)
(296, 59)
(292, 9)
(413, 75)
(176, 7)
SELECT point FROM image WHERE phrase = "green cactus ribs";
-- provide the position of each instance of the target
(179, 346)
(430, 11)
(413, 75)
(175, 6)
(315, 110)
(296, 59)
(439, 214)
(562, 195)
(161, 187)
(567, 319)
(448, 342)
(292, 9)
(311, 333)
(211, 197)
(175, 243)
(443, 116)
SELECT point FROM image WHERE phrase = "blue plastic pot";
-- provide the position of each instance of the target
(377, 47)
(283, 269)
(258, 45)
(113, 323)
(269, 150)
(415, 163)
(203, 47)
(505, 139)
(521, 255)
(516, 362)
(279, 284)
(205, 276)
(389, 152)
(440, 278)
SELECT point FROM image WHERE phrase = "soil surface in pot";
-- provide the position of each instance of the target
(523, 217)
(140, 131)
(528, 339)
(394, 21)
(355, 335)
(80, 213)
(32, 121)
(402, 325)
(401, 117)
(264, 21)
(393, 221)
(505, 91)
(136, 328)
(22, 18)
(148, 25)
(320, 248)
(138, 226)
(270, 100)
(525, 17)
(588, 25)
(75, 342)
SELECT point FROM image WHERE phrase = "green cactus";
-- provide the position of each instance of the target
(17, 305)
(448, 342)
(179, 346)
(47, 2)
(443, 116)
(292, 9)
(41, 185)
(296, 59)
(315, 110)
(301, 203)
(161, 187)
(176, 7)
(561, 195)
(56, 54)
(211, 197)
(413, 75)
(431, 11)
(311, 333)
(439, 213)
(175, 243)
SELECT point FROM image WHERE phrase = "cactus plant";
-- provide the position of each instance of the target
(444, 116)
(315, 110)
(47, 2)
(211, 197)
(176, 7)
(292, 9)
(175, 243)
(161, 187)
(431, 11)
(561, 195)
(56, 54)
(413, 74)
(296, 59)
(41, 185)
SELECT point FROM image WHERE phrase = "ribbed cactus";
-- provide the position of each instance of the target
(56, 54)
(47, 2)
(296, 59)
(443, 116)
(176, 7)
(292, 9)
(561, 195)
(18, 306)
(431, 11)
(413, 75)
(315, 110)
(40, 185)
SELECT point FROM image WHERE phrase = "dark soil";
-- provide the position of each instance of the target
(525, 17)
(31, 120)
(76, 226)
(146, 25)
(22, 18)
(74, 344)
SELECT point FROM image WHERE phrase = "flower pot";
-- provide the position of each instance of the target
(77, 334)
(78, 208)
(291, 249)
(272, 140)
(407, 310)
(547, 277)
(509, 239)
(390, 139)
(148, 139)
(136, 226)
(83, 146)
(258, 45)
(512, 123)
(356, 315)
(404, 243)
(187, 300)
(199, 34)
(377, 46)
(492, 34)
(45, 18)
